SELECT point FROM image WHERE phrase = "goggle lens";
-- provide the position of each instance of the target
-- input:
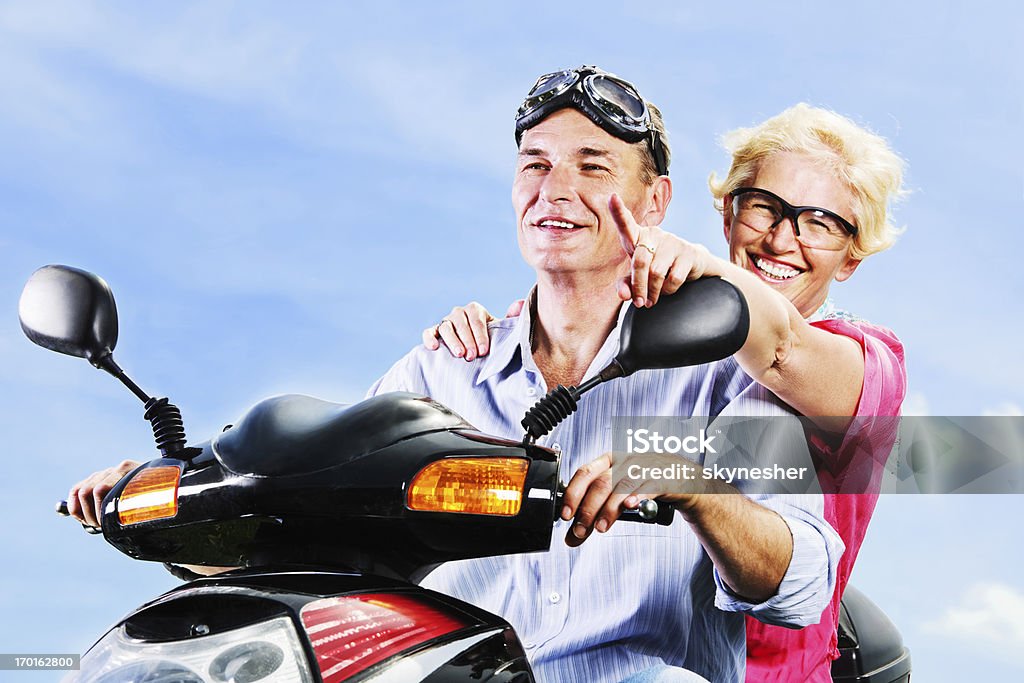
(548, 87)
(619, 95)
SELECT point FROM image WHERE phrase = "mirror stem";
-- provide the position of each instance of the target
(107, 363)
(560, 403)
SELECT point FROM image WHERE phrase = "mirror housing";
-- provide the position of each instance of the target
(706, 320)
(69, 311)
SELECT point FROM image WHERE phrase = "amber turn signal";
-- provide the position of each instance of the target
(479, 486)
(151, 494)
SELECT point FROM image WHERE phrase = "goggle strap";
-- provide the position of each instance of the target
(658, 152)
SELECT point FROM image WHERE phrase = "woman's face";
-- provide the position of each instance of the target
(803, 274)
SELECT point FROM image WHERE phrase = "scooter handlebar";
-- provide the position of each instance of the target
(650, 512)
(62, 509)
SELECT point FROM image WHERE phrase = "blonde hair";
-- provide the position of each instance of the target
(860, 158)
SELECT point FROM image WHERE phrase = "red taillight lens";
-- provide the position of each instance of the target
(354, 632)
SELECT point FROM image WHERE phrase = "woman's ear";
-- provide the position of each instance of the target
(846, 270)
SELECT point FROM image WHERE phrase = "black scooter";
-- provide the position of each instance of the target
(335, 512)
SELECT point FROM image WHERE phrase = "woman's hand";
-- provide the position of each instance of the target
(464, 330)
(661, 261)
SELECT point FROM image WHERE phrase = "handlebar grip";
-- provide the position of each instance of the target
(650, 512)
(61, 508)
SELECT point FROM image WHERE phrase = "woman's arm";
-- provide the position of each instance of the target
(818, 373)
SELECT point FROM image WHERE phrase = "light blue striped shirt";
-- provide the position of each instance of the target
(639, 595)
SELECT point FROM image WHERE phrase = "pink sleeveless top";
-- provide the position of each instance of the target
(850, 476)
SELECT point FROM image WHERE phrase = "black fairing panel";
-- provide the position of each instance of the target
(294, 434)
(499, 659)
(871, 649)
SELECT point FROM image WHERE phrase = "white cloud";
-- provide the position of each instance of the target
(987, 618)
(205, 48)
(916, 403)
(441, 103)
(1005, 408)
(311, 78)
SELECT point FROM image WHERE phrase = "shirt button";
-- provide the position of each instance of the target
(554, 598)
(530, 646)
(531, 392)
(556, 447)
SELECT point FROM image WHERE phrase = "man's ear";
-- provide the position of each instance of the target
(661, 197)
(846, 270)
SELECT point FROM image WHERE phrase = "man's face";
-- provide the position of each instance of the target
(801, 273)
(566, 171)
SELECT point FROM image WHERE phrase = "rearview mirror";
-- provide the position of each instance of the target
(72, 311)
(705, 321)
(69, 311)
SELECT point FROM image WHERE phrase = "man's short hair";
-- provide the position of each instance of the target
(648, 167)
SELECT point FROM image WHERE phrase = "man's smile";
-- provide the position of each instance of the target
(550, 223)
(557, 225)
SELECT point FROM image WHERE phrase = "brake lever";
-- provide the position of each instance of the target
(62, 509)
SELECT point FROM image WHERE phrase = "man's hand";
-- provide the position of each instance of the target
(596, 501)
(86, 497)
(750, 545)
(661, 261)
(464, 330)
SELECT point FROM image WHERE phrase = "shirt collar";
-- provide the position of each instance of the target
(505, 347)
(516, 343)
(825, 311)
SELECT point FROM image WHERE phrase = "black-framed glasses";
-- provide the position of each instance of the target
(814, 226)
(609, 101)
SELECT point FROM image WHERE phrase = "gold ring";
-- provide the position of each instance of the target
(645, 246)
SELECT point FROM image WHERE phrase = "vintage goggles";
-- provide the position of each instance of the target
(607, 100)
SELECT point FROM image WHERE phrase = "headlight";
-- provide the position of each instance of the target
(268, 651)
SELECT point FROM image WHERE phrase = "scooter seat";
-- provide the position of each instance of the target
(295, 434)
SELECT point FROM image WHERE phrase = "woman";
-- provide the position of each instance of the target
(805, 201)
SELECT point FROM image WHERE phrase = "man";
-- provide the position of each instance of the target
(638, 597)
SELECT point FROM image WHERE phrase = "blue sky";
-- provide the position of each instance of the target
(281, 200)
